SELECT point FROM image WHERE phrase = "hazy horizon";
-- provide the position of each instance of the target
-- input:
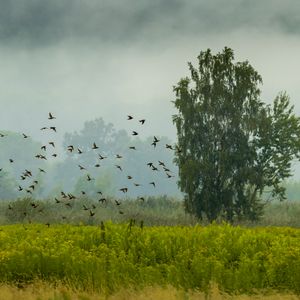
(85, 60)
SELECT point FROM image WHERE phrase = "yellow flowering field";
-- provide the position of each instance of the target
(111, 257)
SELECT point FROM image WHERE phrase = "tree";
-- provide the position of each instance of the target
(233, 146)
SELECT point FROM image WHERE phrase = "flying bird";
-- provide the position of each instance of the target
(52, 144)
(124, 190)
(25, 136)
(129, 117)
(89, 178)
(119, 167)
(95, 146)
(153, 183)
(142, 121)
(132, 148)
(51, 117)
(134, 133)
(53, 128)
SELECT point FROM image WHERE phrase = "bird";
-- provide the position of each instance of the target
(81, 167)
(97, 165)
(44, 128)
(166, 169)
(54, 155)
(63, 194)
(161, 163)
(11, 160)
(25, 136)
(51, 117)
(154, 168)
(99, 192)
(142, 121)
(124, 190)
(134, 133)
(129, 117)
(42, 170)
(52, 144)
(169, 147)
(132, 148)
(79, 151)
(102, 200)
(92, 213)
(43, 148)
(129, 177)
(20, 188)
(70, 148)
(57, 201)
(53, 128)
(83, 192)
(119, 167)
(150, 164)
(169, 175)
(101, 157)
(137, 184)
(29, 173)
(85, 208)
(95, 146)
(153, 183)
(89, 178)
(32, 187)
(2, 135)
(141, 198)
(117, 202)
(118, 156)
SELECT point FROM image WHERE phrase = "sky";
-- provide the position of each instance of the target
(83, 60)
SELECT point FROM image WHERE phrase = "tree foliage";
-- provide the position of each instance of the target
(234, 147)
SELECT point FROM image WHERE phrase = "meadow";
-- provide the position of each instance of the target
(110, 257)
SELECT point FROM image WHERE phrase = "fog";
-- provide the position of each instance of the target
(83, 60)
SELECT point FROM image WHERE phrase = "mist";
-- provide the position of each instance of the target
(83, 60)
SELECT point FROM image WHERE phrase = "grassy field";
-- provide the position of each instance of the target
(112, 257)
(42, 291)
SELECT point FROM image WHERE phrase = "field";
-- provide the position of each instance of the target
(112, 257)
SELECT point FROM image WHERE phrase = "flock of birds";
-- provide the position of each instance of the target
(67, 198)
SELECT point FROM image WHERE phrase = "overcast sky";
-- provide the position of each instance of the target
(87, 59)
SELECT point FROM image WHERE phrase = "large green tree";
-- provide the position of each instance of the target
(233, 146)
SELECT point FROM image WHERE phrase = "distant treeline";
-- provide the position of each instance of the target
(120, 160)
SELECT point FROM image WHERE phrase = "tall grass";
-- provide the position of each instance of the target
(114, 256)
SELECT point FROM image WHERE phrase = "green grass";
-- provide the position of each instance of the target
(120, 256)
